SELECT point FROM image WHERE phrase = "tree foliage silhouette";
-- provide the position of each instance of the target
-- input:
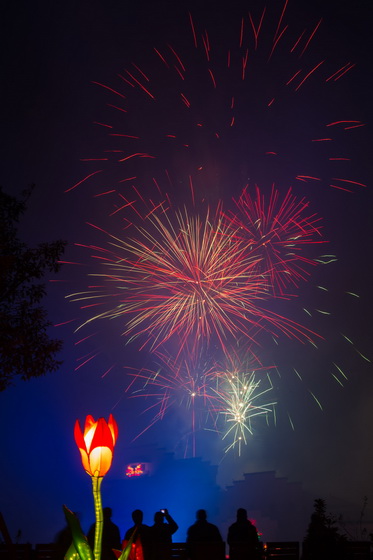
(323, 540)
(26, 350)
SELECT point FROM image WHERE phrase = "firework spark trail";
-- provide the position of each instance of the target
(279, 229)
(240, 390)
(182, 382)
(195, 279)
(224, 397)
(185, 124)
(240, 396)
(179, 380)
(167, 114)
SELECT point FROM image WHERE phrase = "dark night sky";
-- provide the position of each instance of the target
(51, 52)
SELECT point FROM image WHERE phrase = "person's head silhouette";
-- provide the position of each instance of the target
(158, 517)
(137, 516)
(241, 514)
(201, 515)
(107, 513)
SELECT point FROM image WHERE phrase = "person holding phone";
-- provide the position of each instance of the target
(161, 535)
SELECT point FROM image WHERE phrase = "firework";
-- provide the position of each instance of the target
(194, 279)
(182, 127)
(241, 397)
(224, 396)
(183, 383)
(241, 388)
(214, 111)
(279, 230)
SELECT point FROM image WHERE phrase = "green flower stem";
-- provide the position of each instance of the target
(96, 487)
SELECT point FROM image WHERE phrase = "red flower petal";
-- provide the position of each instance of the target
(102, 436)
(79, 438)
(113, 426)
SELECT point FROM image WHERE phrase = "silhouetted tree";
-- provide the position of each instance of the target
(323, 540)
(356, 531)
(25, 347)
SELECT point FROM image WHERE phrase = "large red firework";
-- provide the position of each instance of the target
(188, 126)
(192, 277)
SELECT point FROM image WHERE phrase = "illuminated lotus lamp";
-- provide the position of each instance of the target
(96, 445)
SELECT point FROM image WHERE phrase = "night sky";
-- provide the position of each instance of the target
(55, 117)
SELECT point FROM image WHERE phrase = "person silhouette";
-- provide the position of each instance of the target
(141, 544)
(110, 536)
(161, 535)
(243, 538)
(202, 536)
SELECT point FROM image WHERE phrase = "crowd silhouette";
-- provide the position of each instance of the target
(154, 542)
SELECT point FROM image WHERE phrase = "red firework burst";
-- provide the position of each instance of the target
(278, 229)
(189, 277)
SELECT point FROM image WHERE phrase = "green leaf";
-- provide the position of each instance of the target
(80, 541)
(71, 554)
(126, 551)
